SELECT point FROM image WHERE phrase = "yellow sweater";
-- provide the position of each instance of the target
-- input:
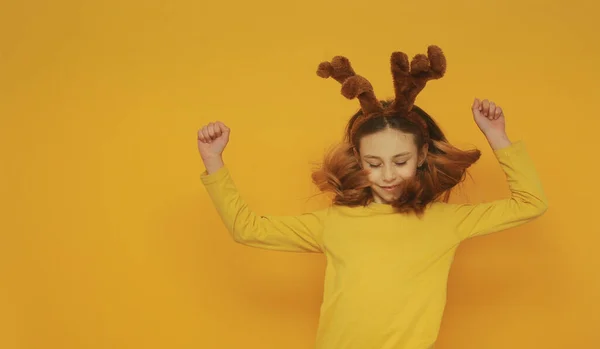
(386, 274)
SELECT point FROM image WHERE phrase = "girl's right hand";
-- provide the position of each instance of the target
(212, 139)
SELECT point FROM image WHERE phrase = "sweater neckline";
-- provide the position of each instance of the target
(384, 208)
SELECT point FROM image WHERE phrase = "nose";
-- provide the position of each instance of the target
(389, 175)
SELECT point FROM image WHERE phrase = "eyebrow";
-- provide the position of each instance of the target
(395, 156)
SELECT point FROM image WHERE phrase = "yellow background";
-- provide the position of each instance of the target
(109, 240)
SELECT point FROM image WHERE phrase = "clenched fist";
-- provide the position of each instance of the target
(488, 116)
(212, 140)
(490, 119)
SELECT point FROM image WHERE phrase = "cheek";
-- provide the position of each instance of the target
(373, 176)
(408, 171)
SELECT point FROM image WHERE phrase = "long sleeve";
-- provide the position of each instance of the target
(527, 200)
(298, 233)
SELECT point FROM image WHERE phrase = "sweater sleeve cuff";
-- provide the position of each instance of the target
(515, 148)
(215, 176)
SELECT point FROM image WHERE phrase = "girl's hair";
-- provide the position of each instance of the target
(445, 166)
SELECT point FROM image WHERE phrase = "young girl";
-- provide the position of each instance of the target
(390, 234)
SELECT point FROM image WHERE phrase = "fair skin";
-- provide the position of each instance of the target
(390, 156)
(378, 151)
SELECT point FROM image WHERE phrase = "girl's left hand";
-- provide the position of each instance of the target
(489, 117)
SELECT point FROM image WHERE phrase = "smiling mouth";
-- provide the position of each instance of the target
(390, 188)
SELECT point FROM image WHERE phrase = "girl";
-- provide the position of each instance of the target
(390, 235)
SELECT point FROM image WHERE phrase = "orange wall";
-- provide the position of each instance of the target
(109, 240)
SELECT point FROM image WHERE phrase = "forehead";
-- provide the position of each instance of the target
(387, 143)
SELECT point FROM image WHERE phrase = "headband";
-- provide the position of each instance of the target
(408, 82)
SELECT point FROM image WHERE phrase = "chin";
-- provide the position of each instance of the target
(387, 197)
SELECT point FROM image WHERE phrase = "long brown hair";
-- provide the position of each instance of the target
(445, 166)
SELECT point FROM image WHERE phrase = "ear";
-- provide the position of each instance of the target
(357, 156)
(423, 154)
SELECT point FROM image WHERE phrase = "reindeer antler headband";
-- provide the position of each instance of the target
(408, 82)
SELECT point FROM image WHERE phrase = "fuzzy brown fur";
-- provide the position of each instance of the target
(409, 80)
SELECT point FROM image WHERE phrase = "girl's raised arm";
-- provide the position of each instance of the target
(294, 233)
(527, 200)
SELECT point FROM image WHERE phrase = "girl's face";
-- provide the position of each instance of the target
(390, 156)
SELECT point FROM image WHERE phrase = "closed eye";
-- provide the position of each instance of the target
(378, 165)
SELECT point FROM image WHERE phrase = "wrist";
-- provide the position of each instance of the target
(498, 140)
(213, 163)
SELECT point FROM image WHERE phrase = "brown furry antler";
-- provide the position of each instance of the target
(409, 82)
(353, 86)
